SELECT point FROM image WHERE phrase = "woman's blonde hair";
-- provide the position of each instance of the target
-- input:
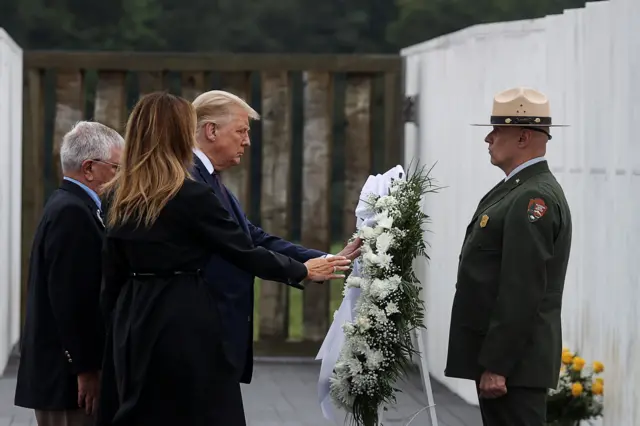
(158, 152)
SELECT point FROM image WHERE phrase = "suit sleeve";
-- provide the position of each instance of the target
(277, 244)
(72, 249)
(528, 244)
(212, 224)
(280, 245)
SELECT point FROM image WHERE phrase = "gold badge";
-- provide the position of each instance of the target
(483, 221)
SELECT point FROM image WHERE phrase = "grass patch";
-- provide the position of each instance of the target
(295, 304)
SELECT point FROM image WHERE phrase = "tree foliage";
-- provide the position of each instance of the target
(310, 26)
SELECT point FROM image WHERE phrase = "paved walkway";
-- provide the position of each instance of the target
(283, 393)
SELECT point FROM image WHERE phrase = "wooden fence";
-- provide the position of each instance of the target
(64, 87)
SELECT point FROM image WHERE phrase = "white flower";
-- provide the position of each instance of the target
(363, 323)
(348, 328)
(341, 392)
(381, 317)
(374, 359)
(355, 366)
(371, 258)
(386, 202)
(364, 305)
(367, 233)
(357, 344)
(372, 199)
(397, 185)
(384, 242)
(384, 260)
(392, 308)
(353, 281)
(383, 220)
(380, 289)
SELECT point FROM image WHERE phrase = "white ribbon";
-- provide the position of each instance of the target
(333, 341)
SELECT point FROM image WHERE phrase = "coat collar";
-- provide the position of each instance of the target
(76, 190)
(204, 160)
(503, 188)
(236, 213)
(202, 169)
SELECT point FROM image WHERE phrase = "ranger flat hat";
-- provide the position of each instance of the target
(521, 106)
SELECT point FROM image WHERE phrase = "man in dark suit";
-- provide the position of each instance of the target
(505, 324)
(63, 336)
(223, 136)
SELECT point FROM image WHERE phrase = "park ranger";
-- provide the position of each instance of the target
(505, 329)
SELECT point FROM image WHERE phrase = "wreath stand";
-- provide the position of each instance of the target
(426, 383)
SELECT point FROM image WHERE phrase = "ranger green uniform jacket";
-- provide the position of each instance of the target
(506, 310)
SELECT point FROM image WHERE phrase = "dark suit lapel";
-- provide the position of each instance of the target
(203, 172)
(237, 211)
(206, 176)
(79, 192)
(234, 209)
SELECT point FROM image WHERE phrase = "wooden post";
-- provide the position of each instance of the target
(32, 170)
(393, 125)
(358, 145)
(69, 110)
(238, 178)
(276, 173)
(192, 85)
(110, 106)
(316, 199)
(150, 82)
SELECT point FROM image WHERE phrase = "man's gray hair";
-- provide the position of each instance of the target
(88, 140)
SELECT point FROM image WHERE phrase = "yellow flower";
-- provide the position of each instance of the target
(578, 364)
(598, 367)
(576, 389)
(600, 380)
(565, 349)
(567, 357)
(597, 388)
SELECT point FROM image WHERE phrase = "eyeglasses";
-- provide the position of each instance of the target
(114, 165)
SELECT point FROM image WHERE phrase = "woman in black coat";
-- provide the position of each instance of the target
(164, 363)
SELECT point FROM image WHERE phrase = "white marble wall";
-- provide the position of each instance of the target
(588, 62)
(10, 192)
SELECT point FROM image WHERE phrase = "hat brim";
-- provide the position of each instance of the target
(522, 125)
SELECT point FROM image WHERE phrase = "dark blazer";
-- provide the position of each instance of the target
(234, 287)
(63, 333)
(167, 365)
(506, 309)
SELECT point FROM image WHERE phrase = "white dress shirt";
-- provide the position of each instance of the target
(524, 166)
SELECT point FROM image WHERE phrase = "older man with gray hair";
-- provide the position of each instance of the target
(222, 138)
(63, 337)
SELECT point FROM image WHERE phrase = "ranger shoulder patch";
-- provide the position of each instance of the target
(536, 209)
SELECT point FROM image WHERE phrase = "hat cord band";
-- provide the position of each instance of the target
(533, 121)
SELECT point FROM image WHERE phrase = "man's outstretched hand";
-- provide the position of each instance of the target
(351, 250)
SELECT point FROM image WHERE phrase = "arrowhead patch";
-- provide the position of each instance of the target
(537, 208)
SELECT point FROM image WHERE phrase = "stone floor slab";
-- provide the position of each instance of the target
(284, 394)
